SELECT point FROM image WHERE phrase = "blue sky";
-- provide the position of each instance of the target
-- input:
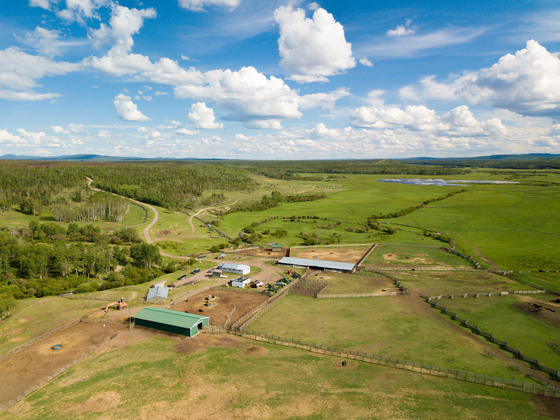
(272, 79)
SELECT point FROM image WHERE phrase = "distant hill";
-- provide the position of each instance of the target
(524, 161)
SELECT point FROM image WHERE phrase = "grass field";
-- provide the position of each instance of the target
(353, 283)
(505, 319)
(548, 281)
(387, 326)
(409, 256)
(433, 283)
(228, 377)
(514, 226)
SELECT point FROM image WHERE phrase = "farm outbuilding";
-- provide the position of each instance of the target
(235, 268)
(171, 321)
(158, 292)
(240, 281)
(318, 264)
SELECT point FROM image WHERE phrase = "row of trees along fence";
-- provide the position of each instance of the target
(535, 364)
(403, 364)
(54, 375)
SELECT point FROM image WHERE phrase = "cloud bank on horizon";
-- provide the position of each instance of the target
(287, 79)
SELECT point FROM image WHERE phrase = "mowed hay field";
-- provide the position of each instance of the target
(402, 327)
(153, 375)
(527, 322)
(435, 283)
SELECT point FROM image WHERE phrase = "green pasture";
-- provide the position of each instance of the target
(410, 256)
(353, 283)
(515, 226)
(360, 196)
(386, 326)
(432, 283)
(238, 378)
(547, 281)
(501, 317)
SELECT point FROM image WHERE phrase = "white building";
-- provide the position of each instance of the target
(235, 268)
(240, 281)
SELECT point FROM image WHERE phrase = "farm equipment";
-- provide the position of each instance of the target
(121, 304)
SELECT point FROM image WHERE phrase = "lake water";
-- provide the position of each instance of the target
(442, 182)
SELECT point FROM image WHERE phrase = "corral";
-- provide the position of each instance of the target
(38, 361)
(224, 303)
(350, 254)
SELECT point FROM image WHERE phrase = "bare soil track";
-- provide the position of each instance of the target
(36, 362)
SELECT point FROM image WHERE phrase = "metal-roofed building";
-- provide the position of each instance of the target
(171, 321)
(235, 268)
(158, 292)
(320, 264)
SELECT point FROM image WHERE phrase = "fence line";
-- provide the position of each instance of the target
(359, 263)
(47, 334)
(483, 294)
(46, 380)
(259, 309)
(360, 295)
(534, 363)
(406, 365)
(328, 246)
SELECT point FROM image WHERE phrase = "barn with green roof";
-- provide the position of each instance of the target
(171, 321)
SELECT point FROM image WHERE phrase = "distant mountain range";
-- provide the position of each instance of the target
(418, 160)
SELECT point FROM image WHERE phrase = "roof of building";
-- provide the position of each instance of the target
(168, 317)
(232, 266)
(330, 265)
(159, 284)
(158, 292)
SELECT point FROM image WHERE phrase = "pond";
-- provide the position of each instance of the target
(442, 182)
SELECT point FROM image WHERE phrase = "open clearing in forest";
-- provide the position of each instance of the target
(350, 254)
(36, 362)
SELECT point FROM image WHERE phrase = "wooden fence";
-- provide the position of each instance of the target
(461, 375)
(46, 380)
(554, 374)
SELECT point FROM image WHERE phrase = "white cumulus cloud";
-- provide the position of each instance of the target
(527, 82)
(198, 5)
(401, 30)
(203, 117)
(312, 48)
(127, 110)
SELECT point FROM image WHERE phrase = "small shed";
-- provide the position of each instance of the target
(217, 273)
(221, 256)
(236, 268)
(240, 281)
(171, 321)
(157, 293)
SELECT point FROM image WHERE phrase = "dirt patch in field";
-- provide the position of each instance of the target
(547, 311)
(546, 406)
(342, 254)
(407, 260)
(34, 363)
(224, 303)
(255, 351)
